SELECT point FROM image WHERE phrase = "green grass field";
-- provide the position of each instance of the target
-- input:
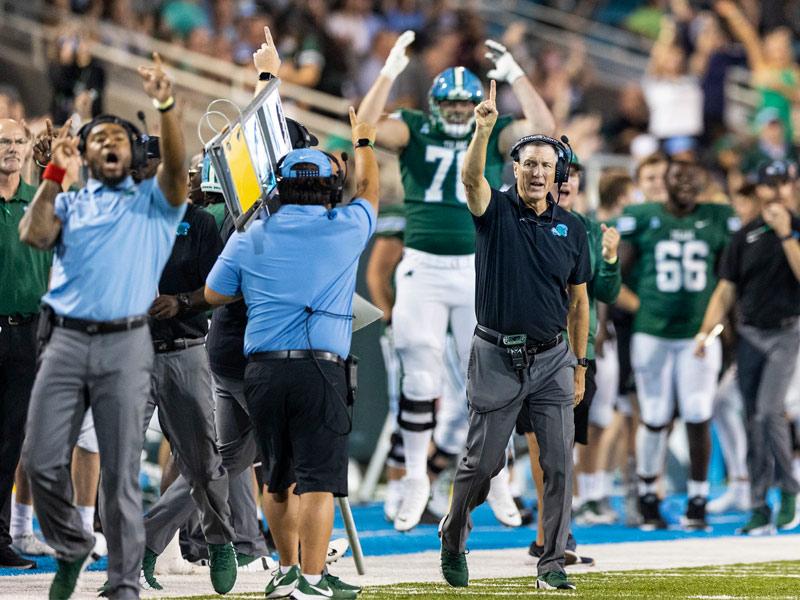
(759, 580)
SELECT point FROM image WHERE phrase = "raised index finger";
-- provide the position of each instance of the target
(353, 119)
(49, 126)
(268, 36)
(64, 131)
(492, 90)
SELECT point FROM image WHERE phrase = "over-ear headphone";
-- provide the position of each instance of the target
(562, 148)
(137, 140)
(335, 181)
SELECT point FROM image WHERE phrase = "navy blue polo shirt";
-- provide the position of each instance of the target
(302, 256)
(524, 264)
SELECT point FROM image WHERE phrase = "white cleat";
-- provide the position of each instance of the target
(31, 545)
(100, 546)
(336, 549)
(262, 563)
(416, 492)
(735, 498)
(394, 496)
(502, 502)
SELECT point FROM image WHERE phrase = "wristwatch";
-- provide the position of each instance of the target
(583, 362)
(184, 301)
(361, 142)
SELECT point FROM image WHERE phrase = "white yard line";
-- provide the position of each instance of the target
(424, 566)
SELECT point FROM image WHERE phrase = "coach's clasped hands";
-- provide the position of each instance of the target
(486, 111)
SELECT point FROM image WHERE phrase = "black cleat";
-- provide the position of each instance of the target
(695, 519)
(651, 513)
(11, 560)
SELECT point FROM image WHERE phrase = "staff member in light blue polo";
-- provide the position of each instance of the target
(297, 272)
(111, 239)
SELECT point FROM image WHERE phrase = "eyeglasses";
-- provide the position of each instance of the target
(6, 142)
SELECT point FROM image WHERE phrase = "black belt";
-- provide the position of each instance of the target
(14, 320)
(786, 323)
(162, 346)
(296, 355)
(502, 340)
(95, 327)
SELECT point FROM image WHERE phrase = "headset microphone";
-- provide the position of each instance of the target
(140, 116)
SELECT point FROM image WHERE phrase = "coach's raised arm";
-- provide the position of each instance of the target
(475, 183)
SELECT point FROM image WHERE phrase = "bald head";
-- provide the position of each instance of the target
(14, 144)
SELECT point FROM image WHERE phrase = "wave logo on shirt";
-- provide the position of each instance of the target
(560, 230)
(183, 228)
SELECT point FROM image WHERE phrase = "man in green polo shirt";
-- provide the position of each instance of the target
(23, 278)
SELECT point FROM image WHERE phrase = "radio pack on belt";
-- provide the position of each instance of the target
(516, 350)
(351, 377)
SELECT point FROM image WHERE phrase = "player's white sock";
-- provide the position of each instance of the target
(285, 570)
(606, 484)
(21, 519)
(87, 517)
(415, 446)
(796, 468)
(583, 487)
(651, 448)
(313, 579)
(596, 486)
(697, 488)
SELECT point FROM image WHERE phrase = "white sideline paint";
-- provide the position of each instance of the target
(424, 566)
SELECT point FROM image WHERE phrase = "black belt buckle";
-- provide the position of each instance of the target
(161, 346)
(515, 348)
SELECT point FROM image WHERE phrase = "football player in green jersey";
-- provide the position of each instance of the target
(674, 247)
(436, 278)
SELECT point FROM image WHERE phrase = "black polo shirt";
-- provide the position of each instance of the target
(197, 245)
(767, 291)
(524, 264)
(225, 342)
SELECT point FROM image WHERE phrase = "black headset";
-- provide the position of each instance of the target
(137, 140)
(562, 148)
(335, 181)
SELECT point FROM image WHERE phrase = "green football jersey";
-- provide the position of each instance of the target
(676, 264)
(437, 218)
(391, 221)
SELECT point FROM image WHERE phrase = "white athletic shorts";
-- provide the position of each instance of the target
(667, 371)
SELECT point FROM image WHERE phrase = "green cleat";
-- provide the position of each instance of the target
(454, 568)
(554, 580)
(104, 591)
(222, 563)
(788, 516)
(341, 589)
(282, 584)
(67, 577)
(149, 571)
(244, 559)
(759, 523)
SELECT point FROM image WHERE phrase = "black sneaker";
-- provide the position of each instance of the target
(535, 550)
(11, 560)
(651, 513)
(695, 519)
(524, 512)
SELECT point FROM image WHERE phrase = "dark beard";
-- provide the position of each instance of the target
(110, 181)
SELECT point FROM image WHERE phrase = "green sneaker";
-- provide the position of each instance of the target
(222, 564)
(309, 591)
(759, 523)
(282, 584)
(454, 568)
(554, 580)
(149, 571)
(104, 591)
(243, 559)
(67, 577)
(788, 517)
(340, 588)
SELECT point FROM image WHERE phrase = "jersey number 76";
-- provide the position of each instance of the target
(445, 157)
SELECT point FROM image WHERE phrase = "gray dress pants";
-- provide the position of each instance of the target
(114, 369)
(766, 360)
(237, 448)
(496, 394)
(181, 389)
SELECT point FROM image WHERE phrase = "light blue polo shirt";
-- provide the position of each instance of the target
(300, 256)
(113, 246)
